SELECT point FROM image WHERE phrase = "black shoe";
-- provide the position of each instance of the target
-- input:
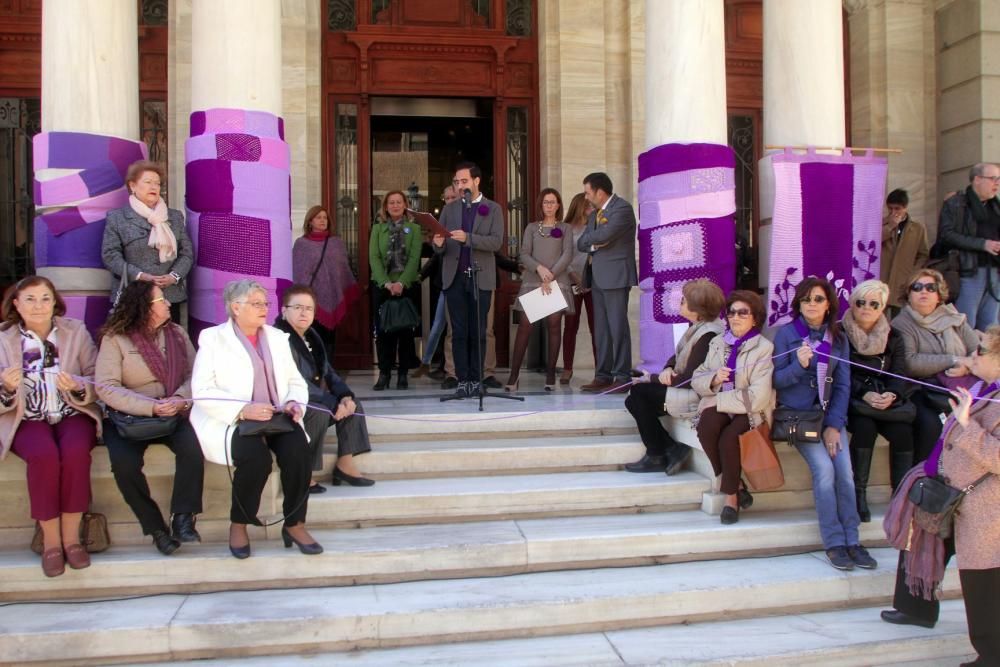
(861, 557)
(165, 544)
(450, 383)
(317, 488)
(678, 459)
(308, 549)
(744, 499)
(729, 516)
(341, 476)
(382, 382)
(897, 617)
(839, 558)
(648, 464)
(401, 381)
(182, 528)
(437, 374)
(473, 389)
(492, 383)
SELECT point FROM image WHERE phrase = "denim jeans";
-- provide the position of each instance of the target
(975, 298)
(833, 491)
(434, 335)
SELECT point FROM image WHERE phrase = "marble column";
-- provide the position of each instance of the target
(237, 172)
(686, 174)
(90, 132)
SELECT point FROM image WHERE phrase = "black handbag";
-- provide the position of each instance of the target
(398, 314)
(279, 423)
(142, 429)
(797, 426)
(937, 503)
(901, 411)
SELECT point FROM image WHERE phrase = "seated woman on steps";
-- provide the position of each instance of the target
(735, 384)
(298, 307)
(701, 303)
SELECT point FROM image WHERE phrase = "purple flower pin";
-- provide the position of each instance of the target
(556, 233)
(484, 209)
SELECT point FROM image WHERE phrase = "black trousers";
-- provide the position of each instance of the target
(352, 434)
(912, 605)
(981, 590)
(466, 326)
(252, 462)
(397, 345)
(127, 459)
(645, 403)
(864, 431)
(926, 427)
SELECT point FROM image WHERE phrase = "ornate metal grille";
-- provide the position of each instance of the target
(379, 6)
(341, 15)
(154, 132)
(153, 12)
(517, 177)
(519, 18)
(20, 120)
(346, 195)
(741, 136)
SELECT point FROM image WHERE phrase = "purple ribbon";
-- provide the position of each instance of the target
(735, 344)
(932, 462)
(822, 348)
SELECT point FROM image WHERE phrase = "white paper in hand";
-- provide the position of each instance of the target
(537, 305)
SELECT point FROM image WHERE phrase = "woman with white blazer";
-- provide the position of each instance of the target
(249, 401)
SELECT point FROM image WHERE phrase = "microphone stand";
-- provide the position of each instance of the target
(483, 393)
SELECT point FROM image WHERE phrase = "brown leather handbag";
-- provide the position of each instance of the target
(94, 535)
(758, 458)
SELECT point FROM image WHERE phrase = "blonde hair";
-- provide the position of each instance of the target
(869, 286)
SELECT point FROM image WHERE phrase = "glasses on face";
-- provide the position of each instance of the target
(995, 179)
(159, 299)
(299, 308)
(874, 305)
(546, 202)
(44, 302)
(738, 312)
(982, 351)
(257, 305)
(150, 183)
(920, 287)
(815, 298)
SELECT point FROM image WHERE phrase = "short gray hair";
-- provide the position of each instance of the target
(978, 169)
(238, 291)
(869, 286)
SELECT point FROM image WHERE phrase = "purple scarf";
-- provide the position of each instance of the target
(924, 559)
(932, 462)
(735, 344)
(822, 349)
(264, 390)
(168, 368)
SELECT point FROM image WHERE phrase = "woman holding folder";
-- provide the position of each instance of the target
(546, 251)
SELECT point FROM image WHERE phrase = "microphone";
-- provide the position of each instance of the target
(467, 198)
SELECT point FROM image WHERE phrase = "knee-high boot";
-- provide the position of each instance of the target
(862, 460)
(899, 464)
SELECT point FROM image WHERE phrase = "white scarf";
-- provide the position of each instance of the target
(161, 236)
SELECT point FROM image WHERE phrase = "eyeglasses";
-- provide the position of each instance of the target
(738, 312)
(550, 203)
(995, 179)
(920, 287)
(874, 305)
(158, 299)
(259, 305)
(815, 298)
(299, 308)
(982, 351)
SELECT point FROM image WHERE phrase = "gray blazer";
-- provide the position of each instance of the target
(125, 247)
(613, 265)
(485, 239)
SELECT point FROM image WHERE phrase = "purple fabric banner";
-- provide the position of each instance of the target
(687, 199)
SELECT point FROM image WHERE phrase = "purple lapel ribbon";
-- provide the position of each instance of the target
(822, 350)
(932, 462)
(735, 344)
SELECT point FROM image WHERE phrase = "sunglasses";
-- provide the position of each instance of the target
(982, 351)
(738, 312)
(920, 287)
(874, 305)
(816, 298)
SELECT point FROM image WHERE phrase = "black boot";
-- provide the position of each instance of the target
(382, 382)
(182, 528)
(899, 464)
(862, 462)
(401, 381)
(165, 544)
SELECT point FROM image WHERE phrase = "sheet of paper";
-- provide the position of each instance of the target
(537, 305)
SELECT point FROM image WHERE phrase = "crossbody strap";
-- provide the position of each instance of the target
(322, 256)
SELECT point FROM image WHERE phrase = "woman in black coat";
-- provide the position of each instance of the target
(879, 402)
(326, 388)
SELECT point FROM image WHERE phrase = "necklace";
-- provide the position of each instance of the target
(546, 232)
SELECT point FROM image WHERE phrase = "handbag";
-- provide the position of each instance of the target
(279, 423)
(797, 426)
(141, 429)
(936, 503)
(758, 458)
(94, 535)
(398, 314)
(901, 411)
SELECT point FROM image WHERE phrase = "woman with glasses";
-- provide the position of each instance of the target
(546, 251)
(878, 403)
(809, 375)
(326, 388)
(735, 384)
(249, 401)
(937, 341)
(48, 413)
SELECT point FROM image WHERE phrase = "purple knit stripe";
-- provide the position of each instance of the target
(716, 237)
(670, 158)
(78, 150)
(198, 123)
(827, 211)
(209, 185)
(62, 221)
(79, 247)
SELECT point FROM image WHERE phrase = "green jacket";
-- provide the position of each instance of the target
(378, 247)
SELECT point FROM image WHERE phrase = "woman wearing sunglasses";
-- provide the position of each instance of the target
(938, 342)
(878, 402)
(808, 376)
(735, 383)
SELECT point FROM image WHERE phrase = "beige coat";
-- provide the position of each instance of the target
(754, 368)
(970, 452)
(926, 344)
(902, 256)
(77, 354)
(120, 365)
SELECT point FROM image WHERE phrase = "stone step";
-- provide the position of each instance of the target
(403, 553)
(845, 638)
(237, 624)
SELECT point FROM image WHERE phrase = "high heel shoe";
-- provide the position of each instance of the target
(308, 549)
(341, 476)
(566, 376)
(382, 382)
(511, 387)
(239, 552)
(550, 381)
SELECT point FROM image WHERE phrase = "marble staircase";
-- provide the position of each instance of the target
(509, 532)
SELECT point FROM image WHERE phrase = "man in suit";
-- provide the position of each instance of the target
(476, 232)
(610, 240)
